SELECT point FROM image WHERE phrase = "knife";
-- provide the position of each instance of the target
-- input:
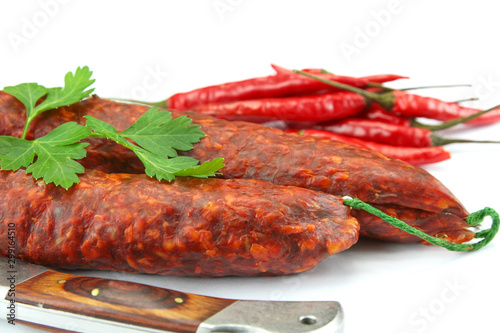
(37, 296)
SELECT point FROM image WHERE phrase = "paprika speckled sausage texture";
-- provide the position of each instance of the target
(189, 227)
(442, 225)
(257, 152)
(12, 115)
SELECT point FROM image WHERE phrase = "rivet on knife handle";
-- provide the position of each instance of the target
(86, 304)
(119, 301)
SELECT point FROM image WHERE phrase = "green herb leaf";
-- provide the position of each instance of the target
(162, 167)
(205, 170)
(65, 134)
(106, 130)
(29, 94)
(15, 153)
(157, 132)
(73, 91)
(56, 153)
(157, 137)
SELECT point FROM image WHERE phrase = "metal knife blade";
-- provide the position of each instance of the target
(38, 295)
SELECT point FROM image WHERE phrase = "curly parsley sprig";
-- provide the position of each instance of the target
(155, 137)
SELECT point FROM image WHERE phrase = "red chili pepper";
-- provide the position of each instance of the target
(386, 133)
(315, 108)
(372, 130)
(409, 105)
(491, 117)
(377, 113)
(359, 82)
(413, 155)
(284, 83)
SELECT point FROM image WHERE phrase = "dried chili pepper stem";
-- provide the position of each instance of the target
(437, 86)
(466, 100)
(387, 100)
(474, 219)
(440, 141)
(384, 98)
(378, 85)
(451, 123)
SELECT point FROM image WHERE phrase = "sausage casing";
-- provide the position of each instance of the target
(188, 227)
(256, 152)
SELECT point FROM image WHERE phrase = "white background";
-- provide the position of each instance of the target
(152, 49)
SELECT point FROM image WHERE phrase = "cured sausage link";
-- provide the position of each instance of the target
(442, 225)
(189, 227)
(12, 115)
(257, 152)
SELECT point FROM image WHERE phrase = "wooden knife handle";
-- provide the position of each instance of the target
(119, 301)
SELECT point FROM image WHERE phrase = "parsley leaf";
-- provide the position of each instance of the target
(15, 153)
(56, 153)
(157, 138)
(205, 170)
(29, 94)
(157, 132)
(72, 92)
(161, 167)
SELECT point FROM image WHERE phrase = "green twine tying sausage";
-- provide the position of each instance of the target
(474, 219)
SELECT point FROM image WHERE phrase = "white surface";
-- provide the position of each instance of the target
(152, 49)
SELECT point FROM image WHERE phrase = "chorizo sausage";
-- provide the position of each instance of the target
(442, 225)
(257, 152)
(12, 115)
(188, 227)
